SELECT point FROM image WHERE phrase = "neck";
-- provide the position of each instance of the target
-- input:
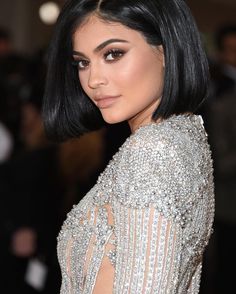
(144, 117)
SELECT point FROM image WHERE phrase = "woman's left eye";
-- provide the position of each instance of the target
(113, 54)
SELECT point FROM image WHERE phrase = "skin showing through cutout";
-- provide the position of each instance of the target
(104, 281)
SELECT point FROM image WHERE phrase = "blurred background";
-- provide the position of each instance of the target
(40, 180)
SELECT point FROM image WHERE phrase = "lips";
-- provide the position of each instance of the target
(105, 101)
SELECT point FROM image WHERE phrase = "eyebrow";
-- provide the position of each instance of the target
(101, 46)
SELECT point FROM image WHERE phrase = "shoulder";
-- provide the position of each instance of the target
(164, 164)
(178, 140)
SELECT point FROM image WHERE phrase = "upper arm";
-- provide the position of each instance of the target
(162, 172)
(148, 251)
(158, 188)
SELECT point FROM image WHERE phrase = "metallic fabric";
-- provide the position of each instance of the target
(150, 212)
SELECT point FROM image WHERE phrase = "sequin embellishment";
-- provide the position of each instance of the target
(159, 189)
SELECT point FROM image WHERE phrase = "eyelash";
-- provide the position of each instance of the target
(116, 55)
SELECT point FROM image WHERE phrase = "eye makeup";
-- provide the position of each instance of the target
(114, 54)
(110, 55)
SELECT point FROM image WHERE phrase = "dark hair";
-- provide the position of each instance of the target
(222, 33)
(67, 110)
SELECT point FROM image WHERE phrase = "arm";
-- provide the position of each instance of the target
(153, 204)
(148, 252)
(165, 213)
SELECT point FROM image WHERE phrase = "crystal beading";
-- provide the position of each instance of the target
(159, 190)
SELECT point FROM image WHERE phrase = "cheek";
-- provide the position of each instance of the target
(129, 73)
(144, 77)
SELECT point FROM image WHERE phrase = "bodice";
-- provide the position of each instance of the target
(149, 215)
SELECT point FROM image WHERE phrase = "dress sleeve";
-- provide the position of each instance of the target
(154, 204)
(148, 251)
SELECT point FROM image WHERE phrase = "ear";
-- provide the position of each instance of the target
(161, 50)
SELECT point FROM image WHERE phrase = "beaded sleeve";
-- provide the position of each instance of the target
(143, 227)
(161, 208)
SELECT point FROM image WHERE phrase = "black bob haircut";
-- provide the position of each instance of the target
(67, 110)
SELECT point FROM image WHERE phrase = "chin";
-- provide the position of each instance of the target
(110, 119)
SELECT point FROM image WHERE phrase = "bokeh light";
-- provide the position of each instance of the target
(49, 12)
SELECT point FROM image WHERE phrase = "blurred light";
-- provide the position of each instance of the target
(49, 12)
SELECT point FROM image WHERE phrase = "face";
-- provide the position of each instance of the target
(119, 71)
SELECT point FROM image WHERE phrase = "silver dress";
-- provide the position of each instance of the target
(150, 214)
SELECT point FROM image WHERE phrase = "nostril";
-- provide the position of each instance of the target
(96, 80)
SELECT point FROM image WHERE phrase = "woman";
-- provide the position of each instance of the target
(143, 227)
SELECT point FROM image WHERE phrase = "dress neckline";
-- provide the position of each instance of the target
(173, 117)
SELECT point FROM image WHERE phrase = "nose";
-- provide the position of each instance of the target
(97, 77)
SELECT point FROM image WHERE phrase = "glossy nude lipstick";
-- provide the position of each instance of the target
(105, 101)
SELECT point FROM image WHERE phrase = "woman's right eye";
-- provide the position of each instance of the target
(81, 64)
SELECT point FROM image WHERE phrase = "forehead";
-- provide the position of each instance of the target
(94, 31)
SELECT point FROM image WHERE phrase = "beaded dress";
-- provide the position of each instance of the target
(150, 214)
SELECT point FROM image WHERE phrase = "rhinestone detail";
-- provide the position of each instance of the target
(159, 186)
